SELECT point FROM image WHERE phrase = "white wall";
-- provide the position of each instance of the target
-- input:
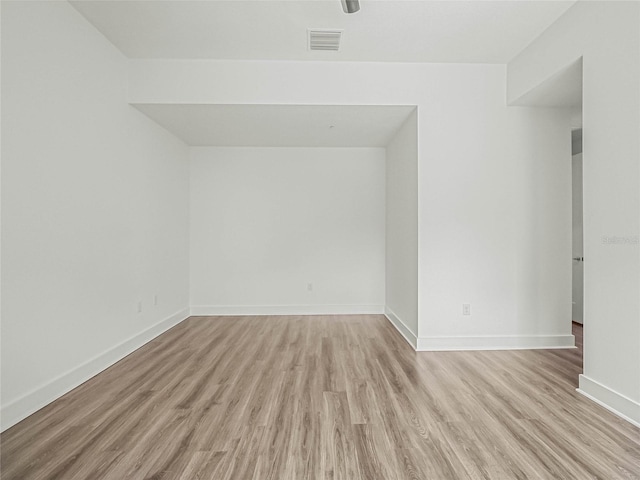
(472, 155)
(266, 222)
(498, 233)
(402, 230)
(94, 209)
(606, 35)
(543, 259)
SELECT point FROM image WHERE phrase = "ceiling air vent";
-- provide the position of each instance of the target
(324, 39)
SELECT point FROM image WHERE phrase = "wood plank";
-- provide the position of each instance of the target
(322, 397)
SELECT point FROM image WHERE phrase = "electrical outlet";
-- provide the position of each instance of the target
(139, 306)
(466, 309)
(310, 287)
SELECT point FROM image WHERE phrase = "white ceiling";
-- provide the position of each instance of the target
(280, 125)
(563, 89)
(452, 31)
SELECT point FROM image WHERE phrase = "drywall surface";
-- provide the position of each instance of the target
(607, 36)
(503, 238)
(402, 228)
(287, 230)
(474, 200)
(94, 209)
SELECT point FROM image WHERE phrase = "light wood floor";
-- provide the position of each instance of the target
(335, 397)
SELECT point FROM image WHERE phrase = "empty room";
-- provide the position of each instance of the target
(321, 239)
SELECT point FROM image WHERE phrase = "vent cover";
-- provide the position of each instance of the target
(320, 39)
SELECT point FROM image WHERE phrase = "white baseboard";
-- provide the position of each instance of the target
(232, 310)
(615, 402)
(33, 401)
(501, 342)
(405, 331)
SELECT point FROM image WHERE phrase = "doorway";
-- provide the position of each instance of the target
(577, 252)
(564, 90)
(577, 243)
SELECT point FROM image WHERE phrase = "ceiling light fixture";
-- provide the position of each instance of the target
(350, 6)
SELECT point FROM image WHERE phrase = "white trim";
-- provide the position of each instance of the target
(206, 310)
(33, 401)
(615, 402)
(500, 342)
(405, 331)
